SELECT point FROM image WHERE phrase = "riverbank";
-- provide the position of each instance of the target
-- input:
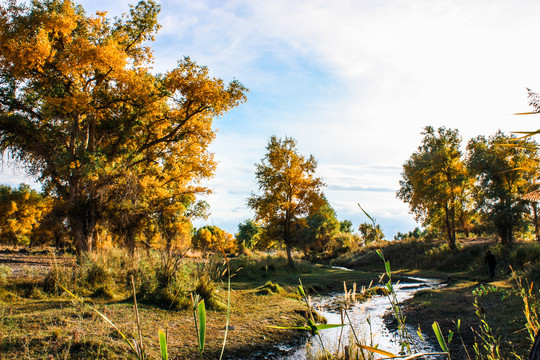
(499, 302)
(38, 329)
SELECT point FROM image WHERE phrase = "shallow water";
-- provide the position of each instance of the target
(367, 320)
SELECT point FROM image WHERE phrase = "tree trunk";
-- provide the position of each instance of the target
(450, 228)
(290, 260)
(130, 239)
(536, 225)
(83, 222)
(287, 240)
(82, 239)
(507, 236)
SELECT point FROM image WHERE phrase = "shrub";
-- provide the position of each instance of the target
(103, 292)
(269, 288)
(58, 274)
(206, 277)
(5, 272)
(528, 253)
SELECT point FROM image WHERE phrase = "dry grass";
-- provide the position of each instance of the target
(35, 324)
(54, 328)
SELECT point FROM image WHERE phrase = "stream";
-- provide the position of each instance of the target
(362, 316)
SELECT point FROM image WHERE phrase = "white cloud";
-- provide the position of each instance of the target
(353, 81)
(386, 70)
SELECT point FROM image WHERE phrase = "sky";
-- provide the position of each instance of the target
(353, 81)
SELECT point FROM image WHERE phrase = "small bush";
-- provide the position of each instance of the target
(58, 275)
(36, 293)
(528, 253)
(205, 278)
(5, 272)
(269, 288)
(97, 274)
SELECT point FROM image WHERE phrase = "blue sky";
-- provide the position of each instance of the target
(353, 81)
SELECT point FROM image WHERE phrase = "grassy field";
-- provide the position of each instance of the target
(40, 322)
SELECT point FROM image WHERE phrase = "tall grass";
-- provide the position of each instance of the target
(204, 274)
(160, 279)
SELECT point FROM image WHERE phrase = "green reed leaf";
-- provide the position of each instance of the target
(202, 325)
(329, 326)
(440, 337)
(163, 345)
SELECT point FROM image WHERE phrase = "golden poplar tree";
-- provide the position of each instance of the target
(290, 191)
(21, 211)
(82, 109)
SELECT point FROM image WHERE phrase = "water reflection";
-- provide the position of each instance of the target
(367, 319)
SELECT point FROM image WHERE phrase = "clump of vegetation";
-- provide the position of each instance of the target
(5, 272)
(270, 288)
(160, 279)
(103, 292)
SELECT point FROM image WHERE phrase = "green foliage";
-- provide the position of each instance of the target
(503, 174)
(201, 334)
(435, 181)
(487, 345)
(415, 234)
(370, 232)
(321, 226)
(248, 235)
(269, 288)
(163, 345)
(526, 254)
(346, 226)
(440, 336)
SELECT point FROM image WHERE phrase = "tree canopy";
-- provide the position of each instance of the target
(82, 109)
(370, 232)
(289, 190)
(504, 169)
(321, 226)
(435, 181)
(248, 235)
(21, 211)
(213, 238)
